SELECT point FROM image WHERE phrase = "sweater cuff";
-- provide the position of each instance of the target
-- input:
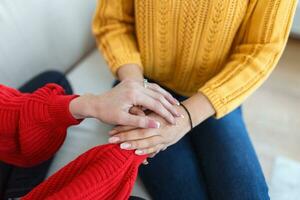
(59, 110)
(216, 100)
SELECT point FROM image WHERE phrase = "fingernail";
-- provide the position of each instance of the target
(139, 152)
(113, 139)
(154, 124)
(157, 125)
(176, 113)
(145, 162)
(182, 116)
(125, 145)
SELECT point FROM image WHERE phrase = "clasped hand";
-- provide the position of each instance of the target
(113, 107)
(151, 141)
(124, 105)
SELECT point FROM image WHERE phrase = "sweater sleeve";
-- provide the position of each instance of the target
(104, 172)
(113, 27)
(258, 46)
(33, 126)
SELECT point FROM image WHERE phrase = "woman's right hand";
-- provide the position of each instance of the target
(114, 106)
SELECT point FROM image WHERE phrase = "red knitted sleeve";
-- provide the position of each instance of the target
(33, 126)
(104, 172)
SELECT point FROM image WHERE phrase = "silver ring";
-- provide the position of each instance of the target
(145, 83)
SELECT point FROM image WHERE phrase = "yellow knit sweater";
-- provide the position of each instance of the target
(222, 48)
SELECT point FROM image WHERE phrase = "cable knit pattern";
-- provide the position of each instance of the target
(104, 172)
(33, 126)
(223, 49)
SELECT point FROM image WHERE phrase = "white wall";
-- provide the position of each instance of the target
(36, 35)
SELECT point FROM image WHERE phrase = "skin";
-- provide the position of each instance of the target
(151, 141)
(119, 105)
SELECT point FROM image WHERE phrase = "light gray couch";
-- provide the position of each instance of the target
(296, 26)
(39, 35)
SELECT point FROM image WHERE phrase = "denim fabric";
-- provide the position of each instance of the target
(215, 160)
(18, 181)
(135, 198)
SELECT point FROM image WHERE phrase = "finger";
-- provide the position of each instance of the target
(136, 111)
(137, 134)
(159, 97)
(142, 144)
(152, 150)
(138, 121)
(162, 91)
(154, 105)
(119, 129)
(152, 155)
(145, 162)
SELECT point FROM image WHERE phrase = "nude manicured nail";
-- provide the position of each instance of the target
(139, 152)
(113, 139)
(157, 125)
(145, 162)
(176, 113)
(153, 124)
(125, 146)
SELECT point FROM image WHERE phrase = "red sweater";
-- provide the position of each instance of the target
(33, 127)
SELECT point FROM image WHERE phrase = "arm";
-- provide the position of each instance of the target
(113, 27)
(257, 49)
(253, 58)
(114, 30)
(33, 126)
(258, 46)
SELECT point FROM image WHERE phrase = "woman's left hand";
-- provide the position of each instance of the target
(151, 141)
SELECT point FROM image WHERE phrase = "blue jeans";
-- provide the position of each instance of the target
(215, 160)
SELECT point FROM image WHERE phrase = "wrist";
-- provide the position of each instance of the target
(74, 108)
(199, 107)
(130, 71)
(183, 121)
(80, 107)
